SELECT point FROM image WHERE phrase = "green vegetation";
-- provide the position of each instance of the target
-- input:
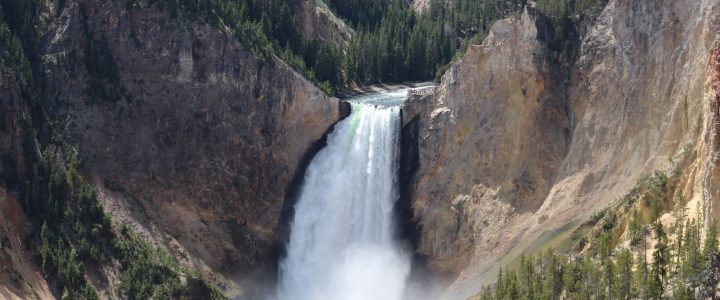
(266, 27)
(103, 80)
(71, 234)
(396, 44)
(685, 274)
(18, 43)
(79, 228)
(571, 19)
(627, 254)
(13, 55)
(393, 43)
(76, 236)
(148, 272)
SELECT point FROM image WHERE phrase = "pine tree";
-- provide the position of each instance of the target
(711, 237)
(692, 262)
(623, 288)
(527, 288)
(635, 227)
(574, 278)
(608, 269)
(45, 251)
(500, 285)
(553, 272)
(710, 276)
(660, 263)
(640, 278)
(511, 286)
(679, 231)
(588, 270)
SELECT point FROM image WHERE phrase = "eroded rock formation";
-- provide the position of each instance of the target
(194, 140)
(515, 149)
(317, 21)
(20, 278)
(492, 141)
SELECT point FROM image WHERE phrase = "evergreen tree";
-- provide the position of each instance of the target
(512, 290)
(623, 288)
(635, 227)
(710, 244)
(710, 276)
(640, 278)
(660, 262)
(678, 230)
(500, 285)
(554, 276)
(692, 256)
(609, 283)
(526, 277)
(683, 266)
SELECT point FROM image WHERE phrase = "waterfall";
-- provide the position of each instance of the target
(342, 241)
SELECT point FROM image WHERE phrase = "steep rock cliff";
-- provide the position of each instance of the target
(513, 156)
(491, 142)
(20, 278)
(187, 135)
(317, 21)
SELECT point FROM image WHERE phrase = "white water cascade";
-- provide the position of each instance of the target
(342, 241)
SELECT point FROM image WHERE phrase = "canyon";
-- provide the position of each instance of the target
(204, 146)
(518, 148)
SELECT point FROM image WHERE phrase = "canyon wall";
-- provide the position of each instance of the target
(20, 278)
(491, 143)
(189, 138)
(198, 144)
(517, 146)
(318, 22)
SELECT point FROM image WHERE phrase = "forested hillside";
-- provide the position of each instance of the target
(393, 43)
(70, 233)
(625, 252)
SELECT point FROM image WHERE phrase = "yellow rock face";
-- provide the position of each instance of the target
(515, 146)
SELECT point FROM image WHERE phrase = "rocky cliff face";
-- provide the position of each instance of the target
(317, 21)
(515, 150)
(12, 121)
(186, 134)
(499, 108)
(20, 278)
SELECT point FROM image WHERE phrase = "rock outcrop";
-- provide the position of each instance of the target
(491, 143)
(187, 135)
(12, 121)
(317, 21)
(516, 150)
(20, 278)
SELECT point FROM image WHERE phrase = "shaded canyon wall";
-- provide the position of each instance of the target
(193, 140)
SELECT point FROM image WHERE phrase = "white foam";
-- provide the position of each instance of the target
(343, 243)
